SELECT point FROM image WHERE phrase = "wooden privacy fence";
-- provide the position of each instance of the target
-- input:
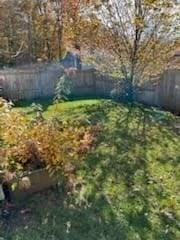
(39, 81)
(164, 92)
(36, 81)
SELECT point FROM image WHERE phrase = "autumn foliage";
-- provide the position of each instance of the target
(32, 144)
(40, 30)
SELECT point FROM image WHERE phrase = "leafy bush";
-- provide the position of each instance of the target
(36, 143)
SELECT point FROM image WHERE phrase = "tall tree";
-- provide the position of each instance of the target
(141, 34)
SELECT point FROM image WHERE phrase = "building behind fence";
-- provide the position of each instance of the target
(39, 81)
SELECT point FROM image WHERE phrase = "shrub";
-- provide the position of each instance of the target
(36, 143)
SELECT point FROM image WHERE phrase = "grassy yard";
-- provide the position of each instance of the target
(50, 110)
(129, 183)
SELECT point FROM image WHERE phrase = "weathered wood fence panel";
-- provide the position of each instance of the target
(165, 93)
(169, 90)
(40, 82)
(91, 83)
(30, 83)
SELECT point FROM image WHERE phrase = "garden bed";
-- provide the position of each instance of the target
(30, 144)
(33, 182)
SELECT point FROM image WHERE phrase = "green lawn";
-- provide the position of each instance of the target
(129, 183)
(49, 109)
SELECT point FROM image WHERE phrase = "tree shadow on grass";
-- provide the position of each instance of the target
(129, 169)
(128, 184)
(27, 103)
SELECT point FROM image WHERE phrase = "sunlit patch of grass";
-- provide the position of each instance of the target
(68, 106)
(51, 109)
